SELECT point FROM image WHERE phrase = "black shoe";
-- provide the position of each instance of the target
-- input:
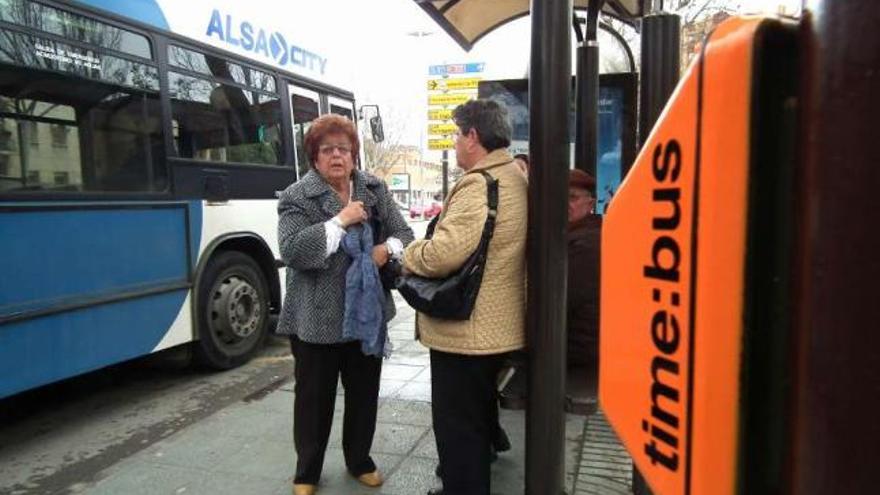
(501, 442)
(493, 456)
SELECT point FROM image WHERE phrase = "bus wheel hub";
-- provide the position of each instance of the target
(237, 308)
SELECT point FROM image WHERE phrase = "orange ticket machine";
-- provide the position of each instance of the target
(695, 255)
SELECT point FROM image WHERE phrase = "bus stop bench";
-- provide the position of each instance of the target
(581, 388)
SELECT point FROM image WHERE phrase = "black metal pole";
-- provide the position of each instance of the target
(587, 107)
(836, 432)
(661, 65)
(587, 113)
(549, 90)
(445, 171)
(661, 62)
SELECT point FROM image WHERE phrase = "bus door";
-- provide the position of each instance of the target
(305, 106)
(340, 106)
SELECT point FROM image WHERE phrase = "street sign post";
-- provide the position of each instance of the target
(451, 99)
(439, 114)
(441, 144)
(442, 129)
(440, 96)
(447, 69)
(460, 83)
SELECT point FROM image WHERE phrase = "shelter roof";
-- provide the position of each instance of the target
(466, 21)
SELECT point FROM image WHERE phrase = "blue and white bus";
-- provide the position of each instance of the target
(138, 168)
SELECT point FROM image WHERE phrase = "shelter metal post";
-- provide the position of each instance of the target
(835, 426)
(660, 68)
(549, 90)
(661, 63)
(587, 109)
(445, 171)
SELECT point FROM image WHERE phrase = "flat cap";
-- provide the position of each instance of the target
(581, 180)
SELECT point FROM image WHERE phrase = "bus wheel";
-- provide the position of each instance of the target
(233, 312)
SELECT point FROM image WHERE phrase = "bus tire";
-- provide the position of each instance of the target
(233, 310)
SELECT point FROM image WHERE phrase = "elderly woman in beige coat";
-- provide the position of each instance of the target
(466, 355)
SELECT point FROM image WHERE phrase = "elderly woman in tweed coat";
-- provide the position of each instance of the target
(313, 216)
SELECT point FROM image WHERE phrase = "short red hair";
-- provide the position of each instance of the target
(330, 124)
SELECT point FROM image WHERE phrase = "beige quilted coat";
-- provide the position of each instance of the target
(498, 322)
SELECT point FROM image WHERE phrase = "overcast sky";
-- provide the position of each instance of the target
(391, 65)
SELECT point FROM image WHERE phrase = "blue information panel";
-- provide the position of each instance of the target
(609, 166)
(443, 70)
(616, 137)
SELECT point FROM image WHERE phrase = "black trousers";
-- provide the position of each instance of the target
(317, 368)
(465, 415)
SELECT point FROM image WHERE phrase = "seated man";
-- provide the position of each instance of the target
(584, 230)
(584, 234)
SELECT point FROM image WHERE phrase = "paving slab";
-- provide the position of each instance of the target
(247, 447)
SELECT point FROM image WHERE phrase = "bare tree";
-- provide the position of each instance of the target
(698, 18)
(695, 10)
(613, 56)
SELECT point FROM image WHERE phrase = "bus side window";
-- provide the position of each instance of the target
(102, 137)
(219, 122)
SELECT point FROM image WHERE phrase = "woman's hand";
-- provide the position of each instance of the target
(353, 213)
(380, 255)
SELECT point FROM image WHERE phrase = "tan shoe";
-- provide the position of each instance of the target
(304, 489)
(372, 480)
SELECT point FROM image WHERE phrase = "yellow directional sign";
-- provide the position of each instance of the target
(440, 114)
(442, 129)
(451, 98)
(463, 83)
(441, 144)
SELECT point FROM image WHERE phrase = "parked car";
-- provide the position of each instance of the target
(426, 211)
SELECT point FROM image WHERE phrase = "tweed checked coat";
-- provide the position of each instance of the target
(314, 304)
(497, 323)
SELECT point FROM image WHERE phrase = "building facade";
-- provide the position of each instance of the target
(411, 179)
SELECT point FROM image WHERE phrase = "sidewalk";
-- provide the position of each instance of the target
(247, 448)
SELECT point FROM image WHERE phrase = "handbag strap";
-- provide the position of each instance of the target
(492, 196)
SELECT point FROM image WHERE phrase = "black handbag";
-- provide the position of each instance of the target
(453, 297)
(392, 268)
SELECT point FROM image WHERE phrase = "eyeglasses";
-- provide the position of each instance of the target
(328, 149)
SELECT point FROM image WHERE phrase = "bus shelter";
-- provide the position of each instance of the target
(804, 372)
(467, 21)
